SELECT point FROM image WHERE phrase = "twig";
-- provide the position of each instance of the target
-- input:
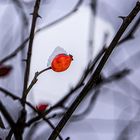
(8, 118)
(19, 6)
(33, 82)
(31, 38)
(96, 74)
(7, 93)
(76, 7)
(15, 52)
(93, 8)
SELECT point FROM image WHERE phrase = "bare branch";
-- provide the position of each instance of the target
(31, 38)
(33, 82)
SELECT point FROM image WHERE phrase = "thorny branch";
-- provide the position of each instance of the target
(96, 74)
(29, 54)
(130, 34)
(20, 124)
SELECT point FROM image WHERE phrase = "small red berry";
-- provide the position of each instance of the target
(42, 107)
(5, 70)
(61, 62)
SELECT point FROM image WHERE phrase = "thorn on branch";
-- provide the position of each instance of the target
(131, 36)
(122, 17)
(37, 15)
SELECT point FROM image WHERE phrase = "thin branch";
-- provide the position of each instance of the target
(15, 52)
(7, 93)
(75, 9)
(96, 74)
(33, 82)
(7, 117)
(93, 8)
(18, 6)
(29, 54)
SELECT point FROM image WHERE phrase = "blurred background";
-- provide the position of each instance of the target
(82, 28)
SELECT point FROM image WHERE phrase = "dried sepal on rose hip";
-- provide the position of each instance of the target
(5, 70)
(42, 107)
(60, 61)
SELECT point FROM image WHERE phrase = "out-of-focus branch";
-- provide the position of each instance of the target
(15, 52)
(7, 93)
(75, 9)
(7, 117)
(18, 6)
(93, 8)
(9, 136)
(96, 74)
(21, 47)
(1, 123)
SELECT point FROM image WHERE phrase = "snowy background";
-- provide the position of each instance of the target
(116, 111)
